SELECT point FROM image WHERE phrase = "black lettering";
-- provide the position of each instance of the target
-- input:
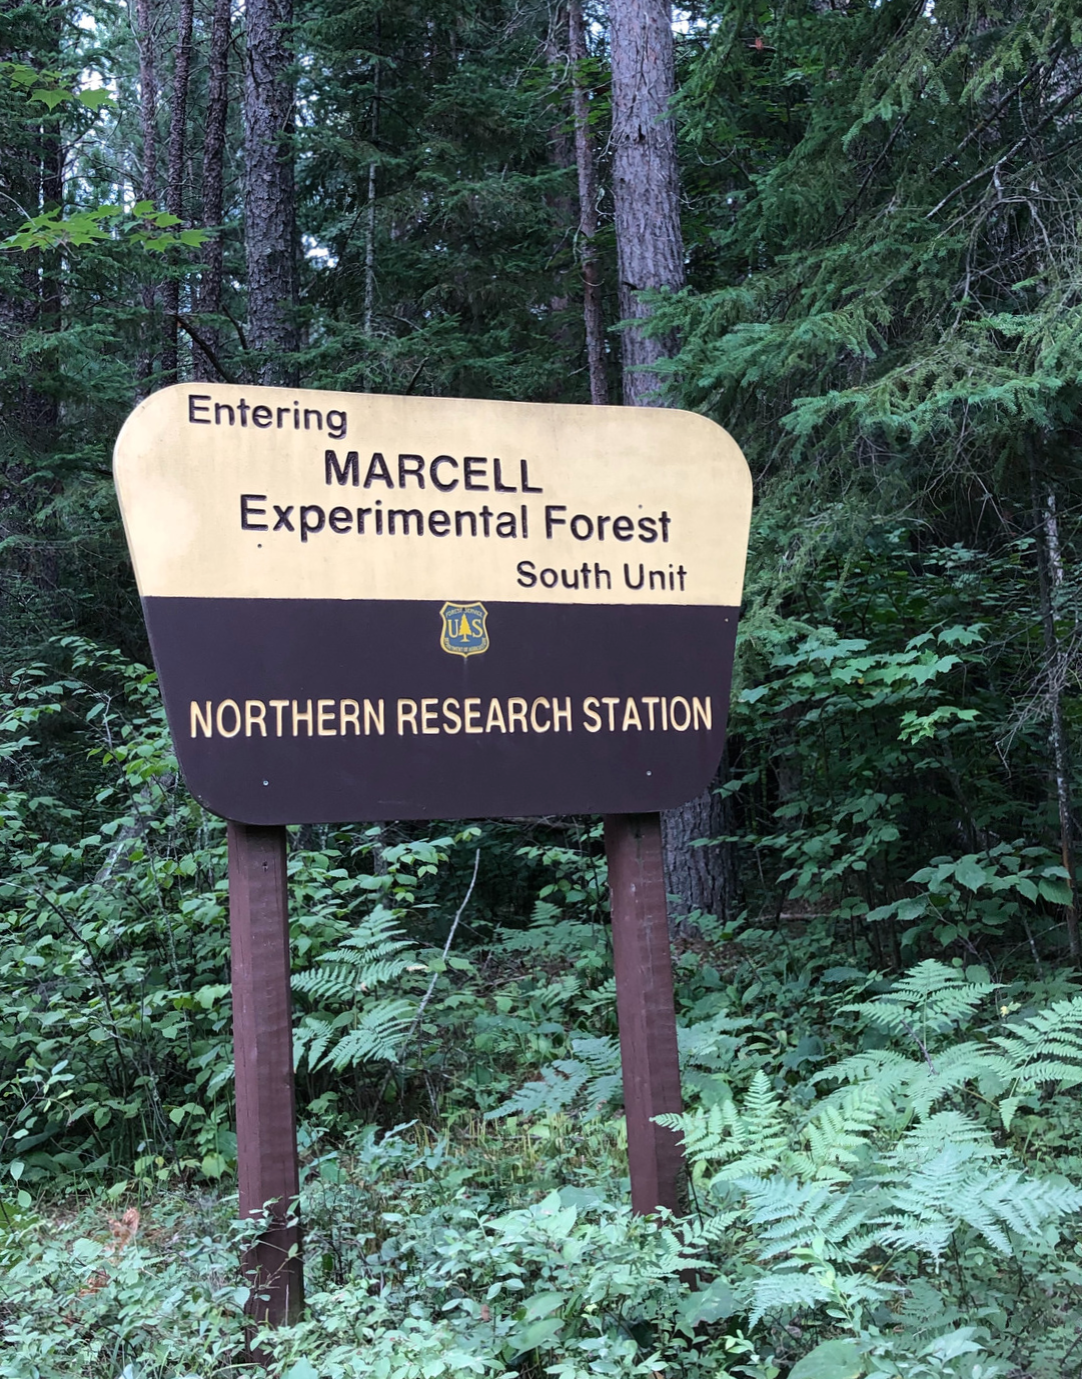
(377, 469)
(659, 576)
(623, 528)
(525, 475)
(286, 410)
(681, 574)
(311, 412)
(469, 466)
(219, 408)
(362, 513)
(246, 511)
(601, 527)
(647, 529)
(405, 514)
(439, 522)
(505, 524)
(598, 572)
(336, 425)
(350, 468)
(486, 513)
(497, 480)
(262, 417)
(318, 519)
(458, 522)
(194, 405)
(664, 519)
(340, 520)
(242, 408)
(551, 520)
(411, 467)
(436, 480)
(576, 521)
(627, 577)
(526, 576)
(283, 518)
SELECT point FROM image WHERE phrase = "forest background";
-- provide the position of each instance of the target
(878, 294)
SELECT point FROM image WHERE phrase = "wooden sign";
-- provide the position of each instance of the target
(367, 607)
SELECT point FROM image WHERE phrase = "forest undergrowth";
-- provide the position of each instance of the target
(883, 1177)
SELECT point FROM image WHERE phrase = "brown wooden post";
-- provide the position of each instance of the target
(263, 1051)
(644, 1007)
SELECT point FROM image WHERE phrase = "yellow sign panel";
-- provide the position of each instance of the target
(369, 607)
(255, 493)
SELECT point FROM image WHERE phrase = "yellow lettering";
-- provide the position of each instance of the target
(452, 715)
(235, 707)
(202, 719)
(516, 713)
(611, 701)
(631, 717)
(304, 717)
(428, 716)
(278, 705)
(254, 719)
(680, 727)
(349, 712)
(702, 710)
(407, 713)
(495, 717)
(373, 716)
(650, 700)
(564, 713)
(593, 718)
(538, 727)
(325, 718)
(471, 708)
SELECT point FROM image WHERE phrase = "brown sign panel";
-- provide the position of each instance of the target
(367, 607)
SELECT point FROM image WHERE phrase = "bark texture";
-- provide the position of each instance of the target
(148, 185)
(174, 179)
(650, 254)
(646, 191)
(587, 178)
(209, 301)
(701, 878)
(1057, 673)
(268, 190)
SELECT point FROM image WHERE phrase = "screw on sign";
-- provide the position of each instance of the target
(368, 608)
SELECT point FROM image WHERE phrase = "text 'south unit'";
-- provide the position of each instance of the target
(367, 608)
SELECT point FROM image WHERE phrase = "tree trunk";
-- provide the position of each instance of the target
(268, 190)
(650, 254)
(703, 879)
(587, 174)
(210, 285)
(646, 190)
(1050, 575)
(148, 188)
(370, 225)
(174, 180)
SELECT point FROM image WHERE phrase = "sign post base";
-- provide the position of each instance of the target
(263, 1050)
(645, 1007)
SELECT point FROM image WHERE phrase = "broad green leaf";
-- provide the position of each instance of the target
(830, 1360)
(969, 874)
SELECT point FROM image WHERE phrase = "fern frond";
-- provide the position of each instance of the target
(375, 1036)
(930, 1000)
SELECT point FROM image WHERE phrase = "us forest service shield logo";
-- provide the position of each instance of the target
(464, 631)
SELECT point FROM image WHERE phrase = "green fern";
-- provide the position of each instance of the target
(592, 1075)
(929, 1001)
(370, 1028)
(375, 953)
